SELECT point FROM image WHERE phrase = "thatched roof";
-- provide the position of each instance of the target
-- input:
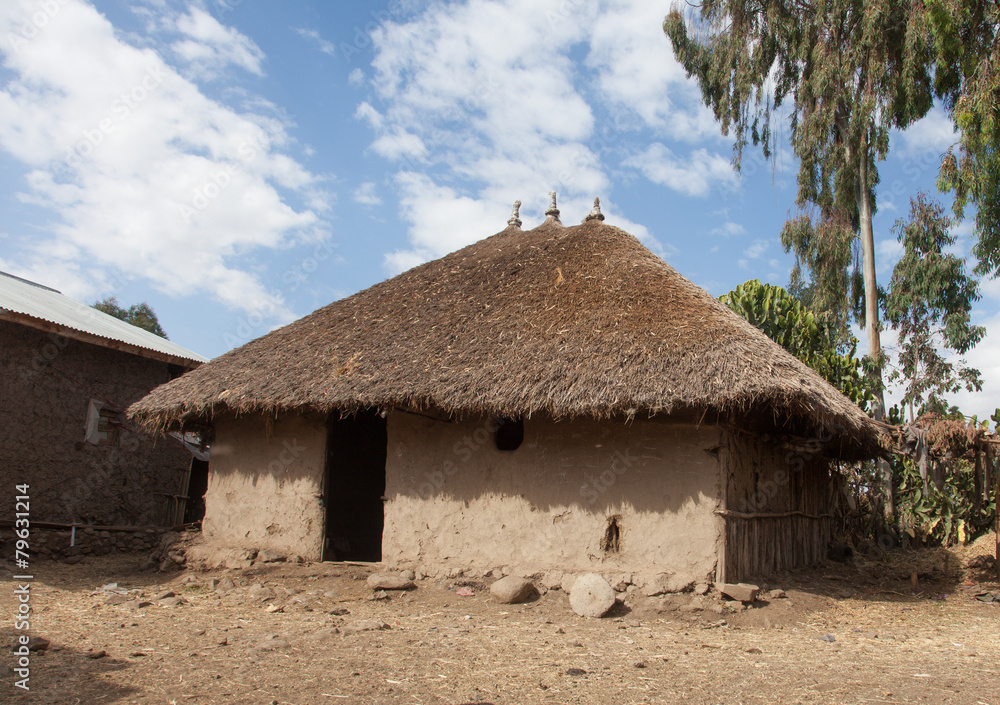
(562, 321)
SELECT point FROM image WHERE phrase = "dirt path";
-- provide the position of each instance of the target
(843, 635)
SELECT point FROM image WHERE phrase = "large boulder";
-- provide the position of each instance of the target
(511, 590)
(591, 596)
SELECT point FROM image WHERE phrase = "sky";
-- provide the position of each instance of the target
(237, 164)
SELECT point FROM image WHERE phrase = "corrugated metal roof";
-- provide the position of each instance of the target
(27, 298)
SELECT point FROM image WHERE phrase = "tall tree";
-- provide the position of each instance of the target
(139, 315)
(967, 77)
(929, 301)
(853, 70)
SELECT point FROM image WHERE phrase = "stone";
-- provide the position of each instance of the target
(408, 575)
(776, 594)
(567, 582)
(116, 600)
(552, 581)
(97, 654)
(260, 592)
(744, 592)
(388, 581)
(365, 625)
(164, 595)
(664, 583)
(37, 643)
(702, 588)
(265, 556)
(273, 643)
(591, 596)
(172, 602)
(72, 560)
(511, 590)
(225, 585)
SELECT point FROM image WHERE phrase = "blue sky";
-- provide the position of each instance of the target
(238, 164)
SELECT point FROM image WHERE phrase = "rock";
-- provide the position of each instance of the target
(567, 582)
(378, 595)
(743, 592)
(702, 588)
(171, 602)
(164, 595)
(260, 592)
(591, 596)
(386, 581)
(340, 611)
(273, 643)
(274, 608)
(365, 625)
(697, 604)
(408, 575)
(72, 560)
(638, 664)
(116, 600)
(225, 585)
(97, 654)
(266, 556)
(735, 605)
(552, 581)
(776, 594)
(511, 590)
(37, 643)
(664, 583)
(579, 671)
(137, 604)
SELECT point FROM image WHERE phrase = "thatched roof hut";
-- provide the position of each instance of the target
(637, 423)
(565, 321)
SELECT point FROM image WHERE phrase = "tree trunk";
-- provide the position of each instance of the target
(872, 322)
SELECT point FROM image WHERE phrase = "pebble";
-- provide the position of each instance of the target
(273, 643)
(386, 581)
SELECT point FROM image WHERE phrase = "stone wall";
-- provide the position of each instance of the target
(90, 541)
(456, 501)
(46, 384)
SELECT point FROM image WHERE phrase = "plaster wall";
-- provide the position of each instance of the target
(454, 499)
(264, 484)
(46, 384)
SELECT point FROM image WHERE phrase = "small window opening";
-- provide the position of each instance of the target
(611, 543)
(510, 433)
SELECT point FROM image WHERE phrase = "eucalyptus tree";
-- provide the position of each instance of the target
(843, 73)
(929, 302)
(139, 315)
(967, 77)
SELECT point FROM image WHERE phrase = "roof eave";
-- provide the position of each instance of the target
(84, 337)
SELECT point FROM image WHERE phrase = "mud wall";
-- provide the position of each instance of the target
(46, 384)
(779, 499)
(264, 484)
(455, 500)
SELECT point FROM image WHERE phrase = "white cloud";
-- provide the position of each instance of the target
(209, 46)
(729, 229)
(322, 44)
(365, 194)
(932, 134)
(356, 77)
(637, 71)
(146, 174)
(758, 248)
(693, 176)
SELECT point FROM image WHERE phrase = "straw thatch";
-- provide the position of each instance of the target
(563, 321)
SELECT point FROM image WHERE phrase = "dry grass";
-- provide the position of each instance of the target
(890, 646)
(558, 321)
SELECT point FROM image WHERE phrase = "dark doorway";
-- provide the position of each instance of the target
(355, 483)
(194, 509)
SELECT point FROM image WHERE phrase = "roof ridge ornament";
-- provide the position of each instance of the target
(595, 212)
(515, 216)
(553, 211)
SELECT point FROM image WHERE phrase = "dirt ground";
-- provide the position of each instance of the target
(294, 634)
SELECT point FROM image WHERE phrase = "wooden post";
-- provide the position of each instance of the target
(977, 484)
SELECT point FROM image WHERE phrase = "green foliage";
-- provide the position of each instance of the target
(996, 420)
(945, 516)
(929, 303)
(967, 77)
(139, 315)
(809, 337)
